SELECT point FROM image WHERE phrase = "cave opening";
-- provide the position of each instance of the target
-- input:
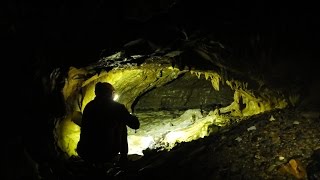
(173, 105)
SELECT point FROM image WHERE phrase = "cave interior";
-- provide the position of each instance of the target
(198, 75)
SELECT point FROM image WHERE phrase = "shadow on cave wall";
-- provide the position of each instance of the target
(185, 92)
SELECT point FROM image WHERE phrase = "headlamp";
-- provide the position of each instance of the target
(115, 97)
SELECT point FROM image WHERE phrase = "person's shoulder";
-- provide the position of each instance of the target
(90, 104)
(117, 104)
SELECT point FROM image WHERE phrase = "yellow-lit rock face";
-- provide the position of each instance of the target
(165, 131)
(129, 84)
(132, 82)
(247, 104)
(73, 86)
(67, 136)
(212, 76)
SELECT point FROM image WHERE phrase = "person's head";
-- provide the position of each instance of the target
(104, 89)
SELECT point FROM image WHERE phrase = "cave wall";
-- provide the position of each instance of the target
(186, 92)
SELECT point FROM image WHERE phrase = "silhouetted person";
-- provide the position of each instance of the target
(103, 128)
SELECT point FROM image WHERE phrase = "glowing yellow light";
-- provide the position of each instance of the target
(115, 97)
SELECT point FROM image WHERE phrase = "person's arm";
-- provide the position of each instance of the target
(131, 120)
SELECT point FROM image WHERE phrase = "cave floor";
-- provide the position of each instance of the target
(283, 144)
